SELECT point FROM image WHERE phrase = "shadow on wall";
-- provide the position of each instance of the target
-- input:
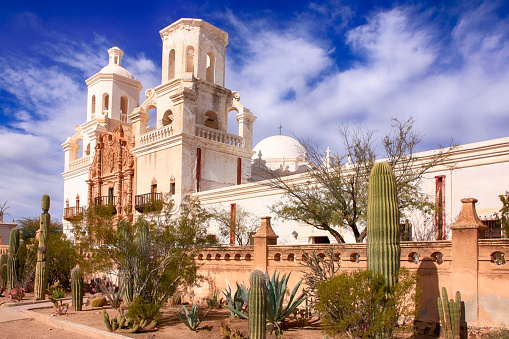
(429, 321)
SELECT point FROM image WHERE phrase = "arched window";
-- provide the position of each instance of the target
(106, 101)
(211, 60)
(123, 105)
(167, 118)
(93, 104)
(171, 65)
(211, 121)
(190, 59)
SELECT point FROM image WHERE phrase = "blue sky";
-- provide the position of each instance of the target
(308, 65)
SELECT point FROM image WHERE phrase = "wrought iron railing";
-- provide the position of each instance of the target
(148, 202)
(72, 212)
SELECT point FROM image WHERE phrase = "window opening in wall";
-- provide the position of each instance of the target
(211, 120)
(110, 195)
(494, 230)
(440, 207)
(233, 124)
(171, 65)
(190, 59)
(320, 240)
(153, 191)
(167, 118)
(93, 104)
(172, 185)
(233, 216)
(106, 103)
(123, 105)
(239, 171)
(198, 169)
(210, 66)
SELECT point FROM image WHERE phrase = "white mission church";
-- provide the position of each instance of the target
(115, 158)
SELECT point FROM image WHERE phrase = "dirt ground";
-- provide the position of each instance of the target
(170, 326)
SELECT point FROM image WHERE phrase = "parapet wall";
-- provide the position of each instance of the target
(478, 270)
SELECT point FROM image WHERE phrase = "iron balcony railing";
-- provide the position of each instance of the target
(71, 212)
(148, 202)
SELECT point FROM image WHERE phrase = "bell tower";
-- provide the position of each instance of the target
(191, 145)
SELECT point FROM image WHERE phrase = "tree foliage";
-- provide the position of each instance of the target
(504, 211)
(357, 304)
(153, 257)
(244, 224)
(334, 193)
(62, 253)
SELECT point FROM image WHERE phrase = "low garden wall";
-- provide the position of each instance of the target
(468, 263)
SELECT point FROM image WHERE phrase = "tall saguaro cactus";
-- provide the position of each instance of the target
(3, 271)
(12, 262)
(77, 288)
(257, 305)
(41, 269)
(383, 223)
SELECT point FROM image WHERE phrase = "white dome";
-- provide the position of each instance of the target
(116, 69)
(279, 146)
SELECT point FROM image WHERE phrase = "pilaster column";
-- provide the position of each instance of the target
(139, 119)
(246, 120)
(264, 237)
(466, 232)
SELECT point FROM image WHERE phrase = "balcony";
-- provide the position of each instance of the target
(219, 136)
(106, 203)
(72, 212)
(149, 202)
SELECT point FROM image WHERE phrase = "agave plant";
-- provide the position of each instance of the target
(191, 317)
(276, 290)
(236, 304)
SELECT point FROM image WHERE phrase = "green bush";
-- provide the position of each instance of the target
(358, 305)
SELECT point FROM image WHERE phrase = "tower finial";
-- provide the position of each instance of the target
(116, 42)
(280, 128)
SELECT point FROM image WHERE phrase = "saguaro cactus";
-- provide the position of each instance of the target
(3, 271)
(77, 288)
(12, 262)
(41, 269)
(383, 223)
(257, 305)
(450, 313)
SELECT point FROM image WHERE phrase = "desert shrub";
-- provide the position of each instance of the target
(140, 310)
(98, 302)
(358, 305)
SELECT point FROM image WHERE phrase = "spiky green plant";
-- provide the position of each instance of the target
(450, 314)
(3, 271)
(12, 262)
(77, 288)
(257, 305)
(41, 269)
(190, 317)
(383, 223)
(276, 291)
(237, 303)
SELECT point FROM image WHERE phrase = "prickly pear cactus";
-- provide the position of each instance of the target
(257, 305)
(12, 262)
(383, 223)
(41, 269)
(77, 288)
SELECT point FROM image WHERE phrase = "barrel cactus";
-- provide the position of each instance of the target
(77, 288)
(257, 305)
(41, 269)
(12, 260)
(383, 223)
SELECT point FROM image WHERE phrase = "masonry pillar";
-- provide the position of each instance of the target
(466, 232)
(264, 237)
(139, 119)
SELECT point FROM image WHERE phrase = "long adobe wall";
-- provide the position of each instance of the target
(468, 263)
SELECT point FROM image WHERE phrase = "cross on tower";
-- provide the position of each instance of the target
(280, 128)
(116, 42)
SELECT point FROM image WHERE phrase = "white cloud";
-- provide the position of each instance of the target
(404, 69)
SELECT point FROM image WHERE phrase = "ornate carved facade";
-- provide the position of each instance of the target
(111, 173)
